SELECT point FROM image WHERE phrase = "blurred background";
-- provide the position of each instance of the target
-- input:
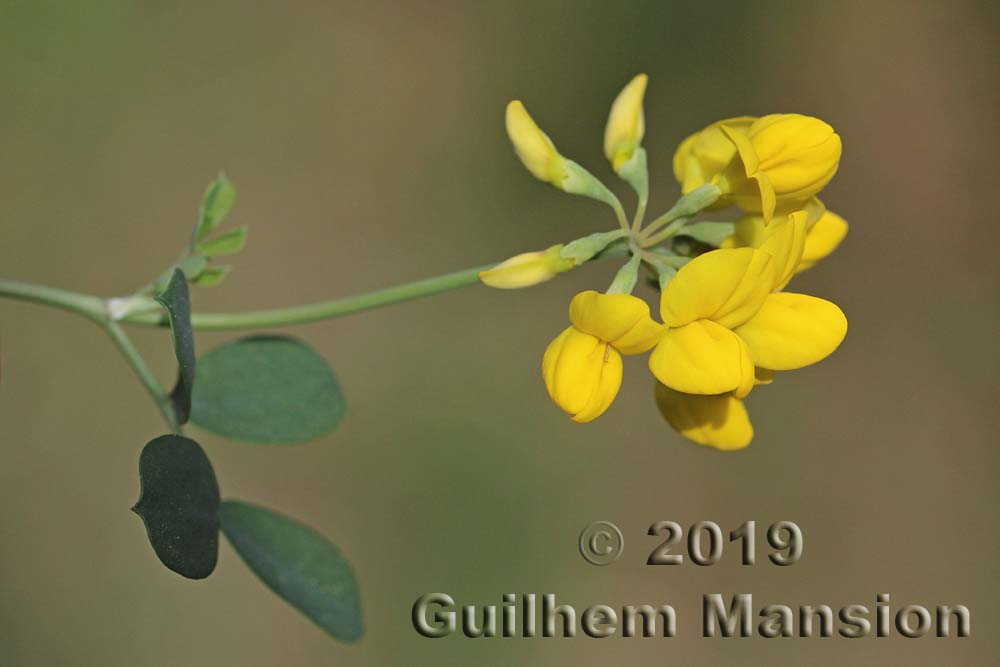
(366, 142)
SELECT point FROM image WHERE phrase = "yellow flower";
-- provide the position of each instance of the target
(527, 269)
(719, 421)
(784, 160)
(703, 156)
(626, 123)
(534, 147)
(582, 367)
(822, 235)
(725, 318)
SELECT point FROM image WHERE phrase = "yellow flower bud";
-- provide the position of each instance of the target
(626, 123)
(527, 269)
(534, 147)
(784, 160)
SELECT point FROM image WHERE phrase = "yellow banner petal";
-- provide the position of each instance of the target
(725, 286)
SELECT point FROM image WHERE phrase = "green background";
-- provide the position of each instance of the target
(366, 141)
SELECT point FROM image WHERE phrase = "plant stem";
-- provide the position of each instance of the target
(314, 312)
(149, 381)
(89, 306)
(671, 229)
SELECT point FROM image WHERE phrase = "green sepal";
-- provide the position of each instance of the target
(626, 277)
(694, 202)
(176, 300)
(584, 249)
(636, 173)
(711, 233)
(579, 181)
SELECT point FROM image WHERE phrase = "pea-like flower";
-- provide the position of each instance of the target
(784, 160)
(626, 123)
(774, 163)
(726, 317)
(582, 367)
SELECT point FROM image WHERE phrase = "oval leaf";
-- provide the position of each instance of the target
(179, 503)
(266, 389)
(298, 564)
(215, 206)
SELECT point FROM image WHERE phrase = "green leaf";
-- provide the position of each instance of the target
(179, 504)
(212, 276)
(712, 233)
(298, 564)
(192, 266)
(176, 299)
(215, 206)
(227, 243)
(267, 389)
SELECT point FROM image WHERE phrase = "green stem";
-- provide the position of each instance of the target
(90, 307)
(149, 381)
(314, 312)
(671, 229)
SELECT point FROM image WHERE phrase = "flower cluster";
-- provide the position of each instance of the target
(726, 323)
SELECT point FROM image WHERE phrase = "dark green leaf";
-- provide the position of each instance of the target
(212, 276)
(266, 389)
(179, 503)
(711, 233)
(298, 564)
(227, 243)
(177, 301)
(215, 206)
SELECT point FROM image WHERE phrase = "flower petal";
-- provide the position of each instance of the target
(626, 123)
(534, 147)
(716, 421)
(582, 374)
(793, 330)
(823, 238)
(784, 241)
(620, 319)
(526, 269)
(703, 358)
(725, 286)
